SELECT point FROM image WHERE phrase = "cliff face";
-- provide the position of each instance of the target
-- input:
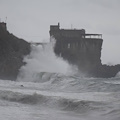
(12, 51)
(82, 51)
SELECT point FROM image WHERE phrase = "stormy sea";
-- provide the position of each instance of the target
(48, 88)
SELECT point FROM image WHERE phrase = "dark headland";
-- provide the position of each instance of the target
(12, 52)
(82, 50)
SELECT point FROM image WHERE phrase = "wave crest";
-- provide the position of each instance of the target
(58, 102)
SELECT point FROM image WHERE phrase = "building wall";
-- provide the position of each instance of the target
(83, 52)
(72, 33)
(56, 31)
(78, 50)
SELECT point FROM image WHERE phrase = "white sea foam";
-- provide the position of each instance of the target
(43, 59)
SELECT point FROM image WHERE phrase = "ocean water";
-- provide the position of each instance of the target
(48, 88)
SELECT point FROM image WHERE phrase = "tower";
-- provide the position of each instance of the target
(3, 25)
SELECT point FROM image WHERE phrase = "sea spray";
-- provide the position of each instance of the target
(42, 59)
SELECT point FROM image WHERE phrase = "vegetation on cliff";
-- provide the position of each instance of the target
(12, 51)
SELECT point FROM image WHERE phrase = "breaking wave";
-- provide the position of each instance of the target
(42, 60)
(73, 83)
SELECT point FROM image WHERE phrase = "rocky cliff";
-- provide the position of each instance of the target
(12, 51)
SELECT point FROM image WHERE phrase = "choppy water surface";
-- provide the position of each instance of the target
(47, 88)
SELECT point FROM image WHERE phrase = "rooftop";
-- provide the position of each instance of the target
(56, 31)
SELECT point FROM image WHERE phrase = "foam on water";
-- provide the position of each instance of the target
(43, 59)
(89, 104)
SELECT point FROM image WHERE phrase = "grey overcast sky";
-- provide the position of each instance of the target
(30, 20)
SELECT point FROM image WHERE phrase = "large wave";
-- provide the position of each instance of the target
(54, 74)
(43, 59)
